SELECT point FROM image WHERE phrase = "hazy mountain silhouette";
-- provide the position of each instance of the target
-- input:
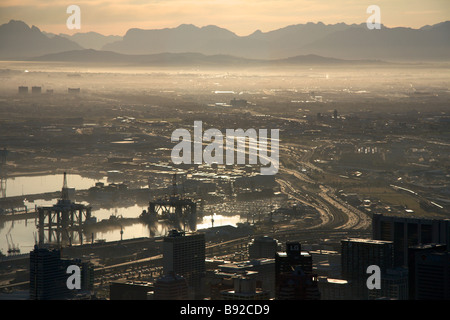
(88, 40)
(338, 40)
(184, 59)
(427, 43)
(19, 41)
(343, 41)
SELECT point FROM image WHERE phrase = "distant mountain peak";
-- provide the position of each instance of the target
(19, 40)
(35, 29)
(16, 25)
(257, 33)
(187, 26)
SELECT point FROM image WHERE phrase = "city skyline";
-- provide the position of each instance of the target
(241, 17)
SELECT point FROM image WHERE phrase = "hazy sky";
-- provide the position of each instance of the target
(240, 16)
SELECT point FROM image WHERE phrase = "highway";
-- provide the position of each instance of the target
(334, 212)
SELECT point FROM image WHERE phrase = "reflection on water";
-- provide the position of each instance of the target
(17, 186)
(23, 232)
(217, 220)
(18, 233)
(129, 232)
(125, 212)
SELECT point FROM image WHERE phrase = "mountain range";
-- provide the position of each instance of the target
(87, 40)
(339, 41)
(187, 59)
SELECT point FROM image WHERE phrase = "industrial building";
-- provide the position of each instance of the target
(73, 90)
(238, 103)
(36, 90)
(23, 90)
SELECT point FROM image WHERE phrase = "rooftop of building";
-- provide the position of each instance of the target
(283, 254)
(371, 241)
(133, 283)
(324, 252)
(331, 280)
(427, 245)
(264, 239)
(174, 233)
(170, 278)
(231, 274)
(244, 294)
(243, 265)
(384, 216)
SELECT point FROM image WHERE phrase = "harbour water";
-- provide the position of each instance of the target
(22, 234)
(24, 185)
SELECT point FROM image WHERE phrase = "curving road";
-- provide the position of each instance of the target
(334, 213)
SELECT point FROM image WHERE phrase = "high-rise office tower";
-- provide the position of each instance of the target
(297, 285)
(406, 232)
(184, 254)
(48, 275)
(412, 256)
(432, 275)
(294, 277)
(393, 285)
(171, 287)
(292, 257)
(262, 247)
(357, 255)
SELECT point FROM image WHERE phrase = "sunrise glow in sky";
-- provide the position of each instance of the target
(243, 17)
